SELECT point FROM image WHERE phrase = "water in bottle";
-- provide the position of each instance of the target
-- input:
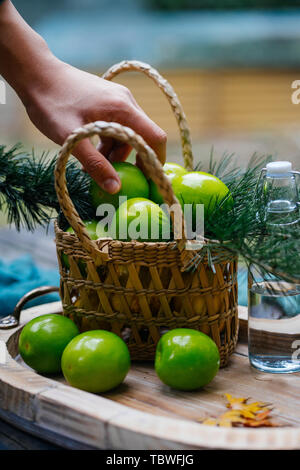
(274, 304)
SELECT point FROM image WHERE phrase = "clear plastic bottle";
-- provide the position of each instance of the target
(273, 304)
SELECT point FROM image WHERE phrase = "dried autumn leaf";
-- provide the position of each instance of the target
(263, 415)
(241, 413)
(260, 424)
(210, 422)
(234, 402)
(230, 418)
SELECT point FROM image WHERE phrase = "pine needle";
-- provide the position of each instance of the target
(28, 198)
(27, 194)
(239, 230)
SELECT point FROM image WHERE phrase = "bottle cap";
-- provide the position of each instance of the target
(278, 168)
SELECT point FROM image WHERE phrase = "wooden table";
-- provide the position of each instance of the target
(142, 413)
(41, 246)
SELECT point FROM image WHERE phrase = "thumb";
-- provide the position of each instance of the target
(97, 166)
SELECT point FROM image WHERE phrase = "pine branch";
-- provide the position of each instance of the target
(27, 193)
(239, 229)
(28, 198)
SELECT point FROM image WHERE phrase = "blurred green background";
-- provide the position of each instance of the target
(231, 63)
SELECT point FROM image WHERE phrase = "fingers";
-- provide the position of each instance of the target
(119, 152)
(154, 136)
(105, 146)
(114, 150)
(97, 166)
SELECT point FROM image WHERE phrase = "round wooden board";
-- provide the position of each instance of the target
(143, 413)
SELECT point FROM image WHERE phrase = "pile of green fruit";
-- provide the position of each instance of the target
(144, 201)
(98, 361)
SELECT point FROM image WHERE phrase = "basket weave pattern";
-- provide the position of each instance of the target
(140, 290)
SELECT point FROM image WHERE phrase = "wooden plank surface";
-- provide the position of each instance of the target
(144, 413)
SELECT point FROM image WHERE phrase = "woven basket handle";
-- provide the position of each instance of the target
(151, 164)
(164, 85)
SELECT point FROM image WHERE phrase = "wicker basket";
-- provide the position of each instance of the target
(140, 290)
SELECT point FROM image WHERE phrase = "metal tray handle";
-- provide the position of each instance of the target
(11, 321)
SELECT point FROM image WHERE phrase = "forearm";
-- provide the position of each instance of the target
(23, 53)
(60, 98)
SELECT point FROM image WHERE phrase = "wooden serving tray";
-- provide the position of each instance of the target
(143, 413)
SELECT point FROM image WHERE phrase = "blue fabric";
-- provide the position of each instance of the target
(243, 287)
(18, 277)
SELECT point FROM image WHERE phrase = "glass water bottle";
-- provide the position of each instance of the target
(280, 195)
(274, 304)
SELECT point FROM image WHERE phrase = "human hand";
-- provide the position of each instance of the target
(68, 98)
(60, 98)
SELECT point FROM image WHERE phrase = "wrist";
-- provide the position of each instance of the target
(36, 79)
